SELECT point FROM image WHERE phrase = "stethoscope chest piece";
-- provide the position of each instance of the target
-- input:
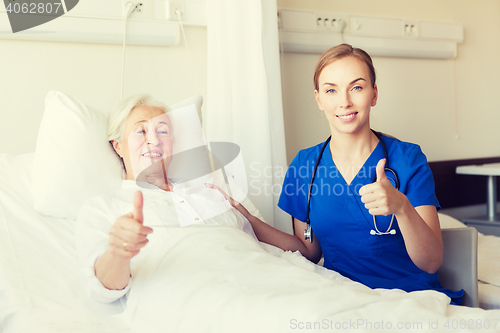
(308, 233)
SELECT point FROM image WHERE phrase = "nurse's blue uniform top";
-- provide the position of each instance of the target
(342, 224)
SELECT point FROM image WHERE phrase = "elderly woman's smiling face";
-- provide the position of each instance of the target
(147, 139)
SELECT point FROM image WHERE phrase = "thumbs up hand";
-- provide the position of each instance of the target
(138, 203)
(128, 235)
(380, 197)
(380, 171)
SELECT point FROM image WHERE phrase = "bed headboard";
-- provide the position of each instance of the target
(453, 190)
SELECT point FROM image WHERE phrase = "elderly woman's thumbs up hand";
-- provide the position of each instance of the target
(128, 235)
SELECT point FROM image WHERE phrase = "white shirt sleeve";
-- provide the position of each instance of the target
(91, 239)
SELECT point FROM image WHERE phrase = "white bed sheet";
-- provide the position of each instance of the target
(489, 296)
(488, 262)
(40, 290)
(39, 264)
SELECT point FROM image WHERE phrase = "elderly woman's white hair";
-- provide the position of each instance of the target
(119, 113)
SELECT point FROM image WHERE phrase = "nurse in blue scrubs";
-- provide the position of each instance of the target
(351, 215)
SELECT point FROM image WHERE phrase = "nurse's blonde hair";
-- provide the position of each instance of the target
(339, 52)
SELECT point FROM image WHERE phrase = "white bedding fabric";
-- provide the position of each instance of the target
(205, 279)
(488, 257)
(179, 284)
(38, 263)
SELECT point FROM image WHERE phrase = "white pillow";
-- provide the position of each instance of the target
(186, 125)
(73, 159)
(197, 101)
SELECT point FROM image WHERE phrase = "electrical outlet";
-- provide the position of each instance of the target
(326, 21)
(339, 25)
(411, 29)
(171, 7)
(139, 6)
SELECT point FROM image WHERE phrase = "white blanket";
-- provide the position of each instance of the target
(39, 286)
(203, 279)
(218, 279)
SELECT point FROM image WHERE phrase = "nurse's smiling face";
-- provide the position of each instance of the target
(345, 93)
(147, 139)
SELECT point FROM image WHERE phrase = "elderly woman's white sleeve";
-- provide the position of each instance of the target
(91, 238)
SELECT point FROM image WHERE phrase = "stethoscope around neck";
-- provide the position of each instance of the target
(308, 231)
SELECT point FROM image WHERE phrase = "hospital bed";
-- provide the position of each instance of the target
(41, 292)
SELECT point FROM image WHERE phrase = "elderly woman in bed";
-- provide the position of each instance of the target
(109, 238)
